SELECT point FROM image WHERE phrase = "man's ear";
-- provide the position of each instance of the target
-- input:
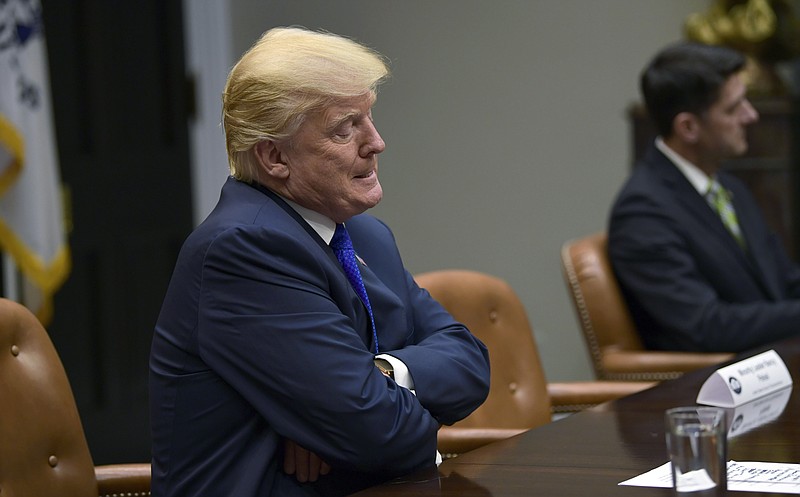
(686, 126)
(272, 159)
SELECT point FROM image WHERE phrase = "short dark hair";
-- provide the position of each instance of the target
(686, 77)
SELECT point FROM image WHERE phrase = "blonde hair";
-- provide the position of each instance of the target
(285, 75)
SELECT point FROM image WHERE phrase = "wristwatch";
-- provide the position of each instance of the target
(385, 367)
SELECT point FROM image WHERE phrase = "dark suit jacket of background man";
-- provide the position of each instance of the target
(688, 283)
(261, 336)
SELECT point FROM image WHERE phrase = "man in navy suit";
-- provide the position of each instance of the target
(697, 279)
(269, 373)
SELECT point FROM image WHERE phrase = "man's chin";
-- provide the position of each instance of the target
(372, 202)
(365, 202)
(740, 150)
(374, 195)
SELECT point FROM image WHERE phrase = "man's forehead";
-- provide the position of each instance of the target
(342, 108)
(733, 89)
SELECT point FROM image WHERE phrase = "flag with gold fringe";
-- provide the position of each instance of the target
(32, 223)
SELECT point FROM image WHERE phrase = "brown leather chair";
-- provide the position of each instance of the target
(614, 345)
(519, 396)
(43, 451)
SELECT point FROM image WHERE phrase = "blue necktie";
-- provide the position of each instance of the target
(343, 248)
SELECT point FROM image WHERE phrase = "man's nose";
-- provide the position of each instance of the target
(751, 114)
(374, 143)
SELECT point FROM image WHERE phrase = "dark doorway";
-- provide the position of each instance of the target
(120, 103)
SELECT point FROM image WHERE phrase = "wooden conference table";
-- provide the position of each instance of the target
(589, 453)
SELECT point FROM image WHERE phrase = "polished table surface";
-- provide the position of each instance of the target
(590, 452)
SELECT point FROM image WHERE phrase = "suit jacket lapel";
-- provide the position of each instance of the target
(688, 198)
(758, 254)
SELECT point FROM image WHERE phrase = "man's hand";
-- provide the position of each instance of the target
(304, 464)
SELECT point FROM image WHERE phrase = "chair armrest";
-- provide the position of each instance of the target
(578, 395)
(123, 479)
(657, 365)
(454, 440)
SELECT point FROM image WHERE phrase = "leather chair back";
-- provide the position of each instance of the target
(616, 350)
(489, 307)
(43, 451)
(606, 323)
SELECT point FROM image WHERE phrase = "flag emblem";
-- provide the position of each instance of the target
(32, 224)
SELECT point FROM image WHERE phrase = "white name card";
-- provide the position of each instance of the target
(745, 381)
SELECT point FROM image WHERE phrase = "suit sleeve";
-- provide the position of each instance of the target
(449, 365)
(787, 268)
(268, 325)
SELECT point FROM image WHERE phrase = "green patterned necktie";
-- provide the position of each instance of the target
(720, 200)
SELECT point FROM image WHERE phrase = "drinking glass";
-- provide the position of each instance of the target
(697, 447)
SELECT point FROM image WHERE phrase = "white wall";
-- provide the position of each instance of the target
(506, 130)
(209, 56)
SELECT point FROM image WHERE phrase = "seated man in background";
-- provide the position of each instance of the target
(284, 363)
(695, 260)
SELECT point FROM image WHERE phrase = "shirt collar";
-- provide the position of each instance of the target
(323, 225)
(699, 180)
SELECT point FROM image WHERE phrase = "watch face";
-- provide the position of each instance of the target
(385, 368)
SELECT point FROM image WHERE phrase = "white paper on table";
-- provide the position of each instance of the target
(696, 480)
(742, 477)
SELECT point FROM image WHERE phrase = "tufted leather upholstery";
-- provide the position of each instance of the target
(519, 396)
(43, 451)
(617, 352)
